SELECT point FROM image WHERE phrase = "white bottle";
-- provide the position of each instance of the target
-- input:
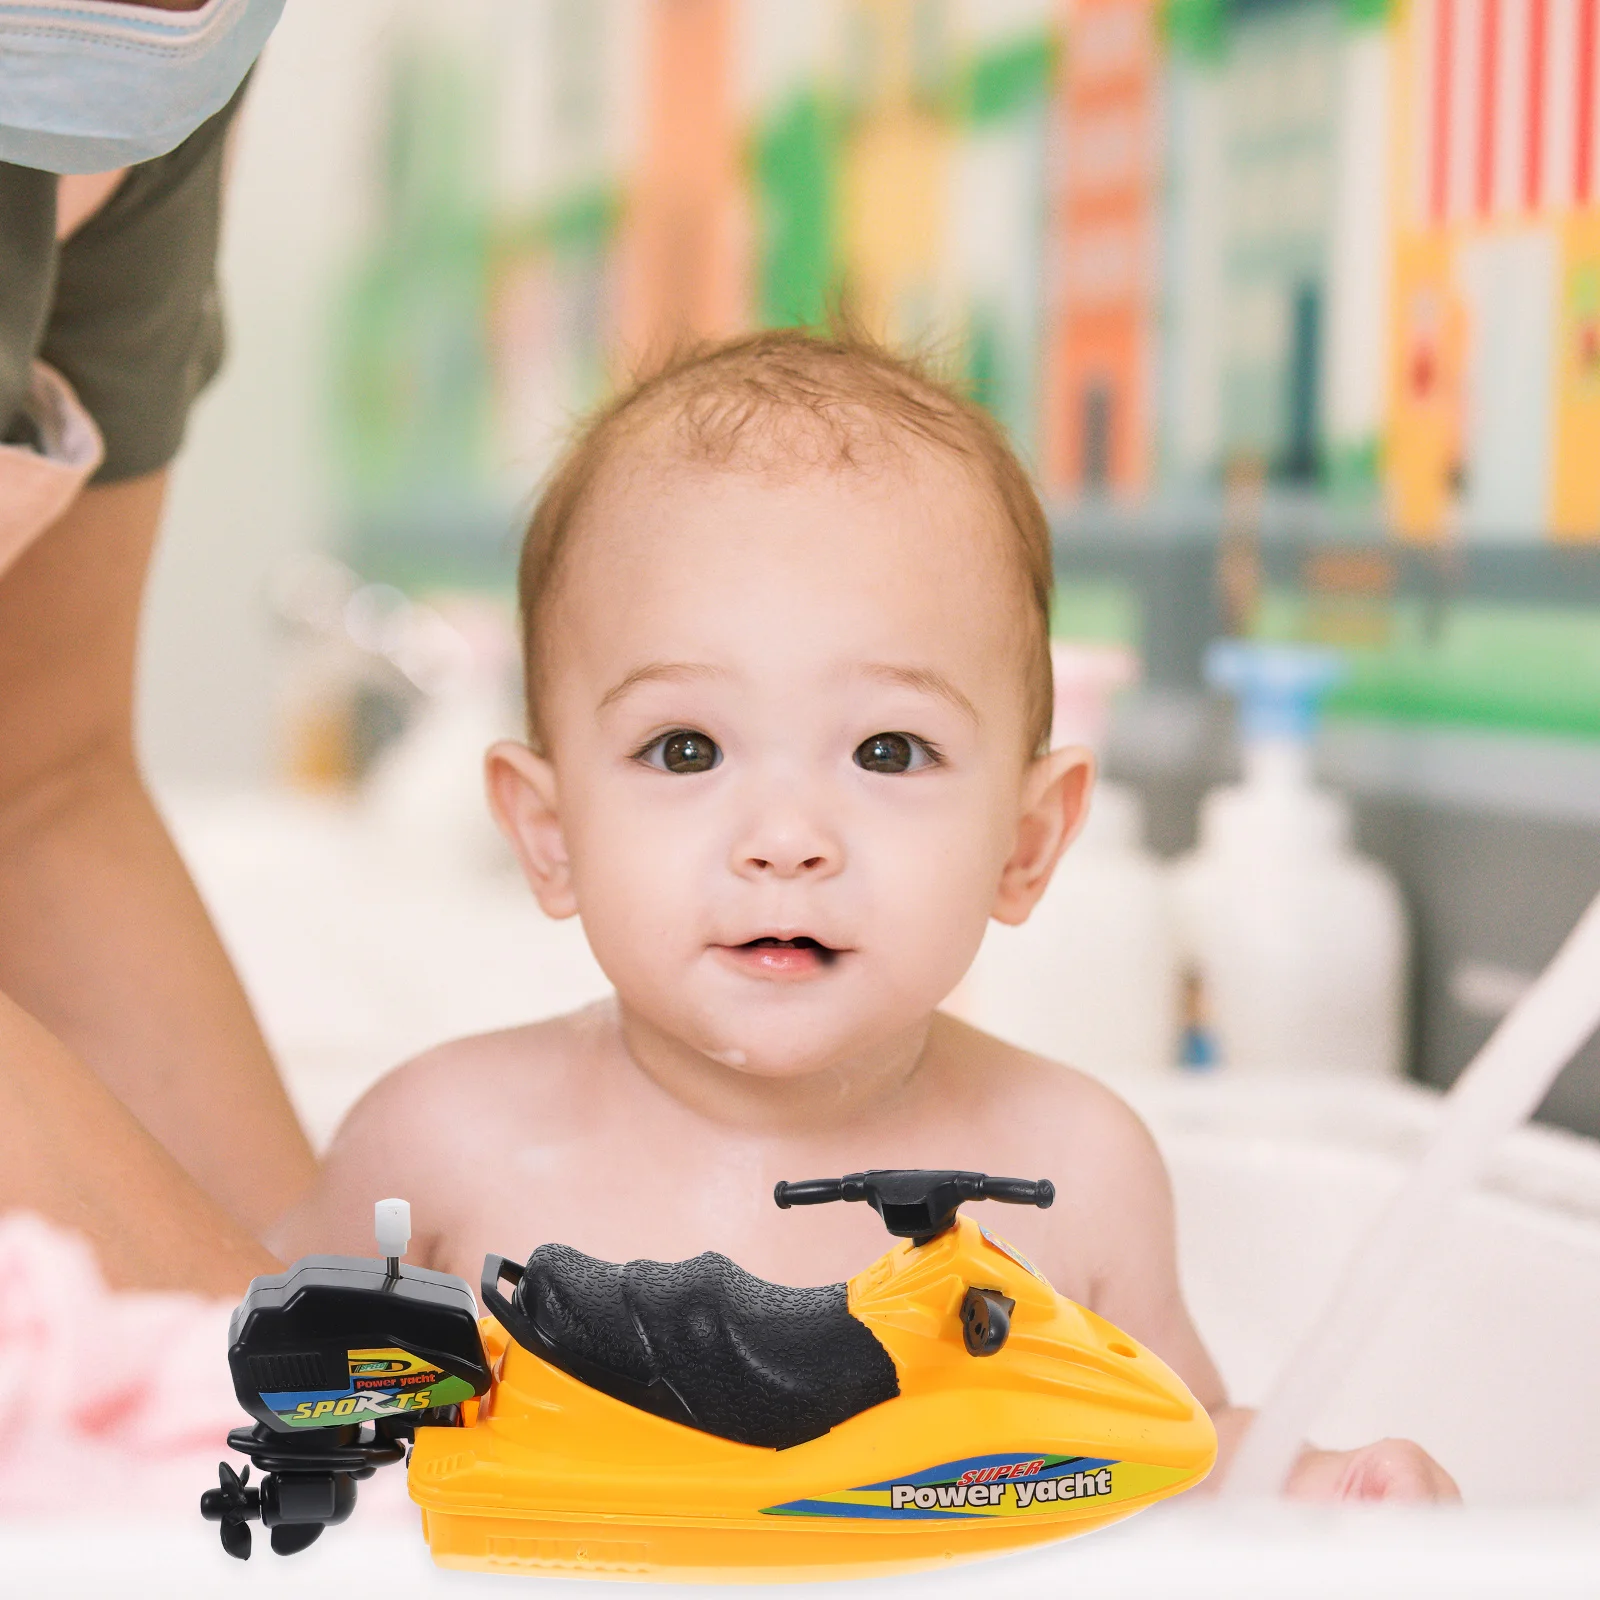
(1296, 944)
(1091, 978)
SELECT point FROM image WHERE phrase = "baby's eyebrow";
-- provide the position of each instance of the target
(926, 681)
(659, 672)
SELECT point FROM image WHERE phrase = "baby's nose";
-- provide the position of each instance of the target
(787, 867)
(787, 847)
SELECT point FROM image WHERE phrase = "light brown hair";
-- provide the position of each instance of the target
(782, 400)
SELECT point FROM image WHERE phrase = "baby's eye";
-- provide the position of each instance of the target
(894, 752)
(683, 750)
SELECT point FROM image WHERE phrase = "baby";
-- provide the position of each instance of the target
(788, 678)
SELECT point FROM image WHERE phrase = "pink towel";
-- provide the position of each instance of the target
(116, 1404)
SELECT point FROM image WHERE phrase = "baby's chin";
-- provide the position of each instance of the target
(790, 1046)
(776, 1062)
(850, 1018)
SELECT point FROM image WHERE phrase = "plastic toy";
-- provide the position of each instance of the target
(688, 1420)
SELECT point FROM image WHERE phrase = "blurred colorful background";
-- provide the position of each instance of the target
(1351, 247)
(1328, 264)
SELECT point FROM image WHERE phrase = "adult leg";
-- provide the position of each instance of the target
(102, 937)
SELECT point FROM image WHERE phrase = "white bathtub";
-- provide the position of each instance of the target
(1189, 1551)
(1492, 1356)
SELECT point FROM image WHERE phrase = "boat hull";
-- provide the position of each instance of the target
(620, 1548)
(1072, 1425)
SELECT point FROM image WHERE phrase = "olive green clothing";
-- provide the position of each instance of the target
(127, 308)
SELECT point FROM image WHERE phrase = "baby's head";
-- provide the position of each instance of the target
(785, 609)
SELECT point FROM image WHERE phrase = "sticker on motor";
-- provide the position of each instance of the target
(383, 1383)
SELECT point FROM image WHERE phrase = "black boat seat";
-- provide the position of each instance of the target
(704, 1343)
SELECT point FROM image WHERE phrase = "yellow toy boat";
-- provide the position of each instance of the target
(691, 1421)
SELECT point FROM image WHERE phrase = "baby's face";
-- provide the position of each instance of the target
(785, 723)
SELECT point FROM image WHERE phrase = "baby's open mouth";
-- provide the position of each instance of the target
(796, 959)
(825, 953)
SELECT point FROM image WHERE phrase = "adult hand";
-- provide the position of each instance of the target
(1391, 1469)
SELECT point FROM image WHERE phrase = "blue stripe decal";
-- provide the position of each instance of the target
(841, 1508)
(288, 1399)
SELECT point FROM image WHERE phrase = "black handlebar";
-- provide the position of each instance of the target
(1019, 1191)
(813, 1192)
(914, 1203)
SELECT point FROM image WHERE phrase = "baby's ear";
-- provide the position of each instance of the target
(522, 796)
(1055, 800)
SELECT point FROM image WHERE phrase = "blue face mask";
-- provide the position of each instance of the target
(88, 87)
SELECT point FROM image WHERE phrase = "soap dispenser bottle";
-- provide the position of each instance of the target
(1091, 978)
(1295, 945)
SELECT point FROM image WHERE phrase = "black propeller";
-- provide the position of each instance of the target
(235, 1505)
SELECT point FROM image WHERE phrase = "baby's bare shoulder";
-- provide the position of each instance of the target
(465, 1081)
(1111, 1227)
(1070, 1123)
(416, 1130)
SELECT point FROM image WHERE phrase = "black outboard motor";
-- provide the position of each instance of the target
(340, 1359)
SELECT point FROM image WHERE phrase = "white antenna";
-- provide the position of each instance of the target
(391, 1223)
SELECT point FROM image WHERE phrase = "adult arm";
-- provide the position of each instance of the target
(75, 1154)
(103, 939)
